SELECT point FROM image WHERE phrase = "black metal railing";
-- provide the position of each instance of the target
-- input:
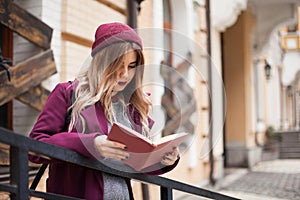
(20, 146)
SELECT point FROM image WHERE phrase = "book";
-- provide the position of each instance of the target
(144, 152)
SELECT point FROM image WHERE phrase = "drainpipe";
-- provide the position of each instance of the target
(133, 7)
(211, 153)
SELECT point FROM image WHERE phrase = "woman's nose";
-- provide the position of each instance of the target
(124, 72)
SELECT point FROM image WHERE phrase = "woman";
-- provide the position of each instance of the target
(108, 90)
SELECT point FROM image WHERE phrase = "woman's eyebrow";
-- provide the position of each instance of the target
(133, 62)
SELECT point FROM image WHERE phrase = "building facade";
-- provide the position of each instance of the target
(211, 55)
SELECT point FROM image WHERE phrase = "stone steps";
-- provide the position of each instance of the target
(290, 145)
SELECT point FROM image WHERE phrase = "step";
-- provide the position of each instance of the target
(292, 150)
(291, 137)
(289, 155)
(290, 144)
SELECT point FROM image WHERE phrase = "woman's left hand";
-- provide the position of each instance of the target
(170, 158)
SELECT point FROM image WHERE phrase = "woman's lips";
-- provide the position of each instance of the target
(122, 83)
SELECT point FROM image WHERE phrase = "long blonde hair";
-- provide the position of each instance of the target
(96, 83)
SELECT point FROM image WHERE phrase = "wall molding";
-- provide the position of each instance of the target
(225, 13)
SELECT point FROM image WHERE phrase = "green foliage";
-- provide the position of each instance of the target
(272, 134)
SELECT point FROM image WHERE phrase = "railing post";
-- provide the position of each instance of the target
(145, 191)
(166, 193)
(19, 173)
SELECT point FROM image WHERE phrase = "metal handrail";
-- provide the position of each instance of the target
(20, 146)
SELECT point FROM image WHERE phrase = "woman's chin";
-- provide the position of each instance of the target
(119, 89)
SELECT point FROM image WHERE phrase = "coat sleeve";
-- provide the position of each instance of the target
(50, 125)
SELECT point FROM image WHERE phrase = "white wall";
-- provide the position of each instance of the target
(51, 15)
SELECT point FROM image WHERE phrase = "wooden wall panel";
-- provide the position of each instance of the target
(26, 75)
(35, 97)
(25, 24)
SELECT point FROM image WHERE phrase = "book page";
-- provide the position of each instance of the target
(168, 138)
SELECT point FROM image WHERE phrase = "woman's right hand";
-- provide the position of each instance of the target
(110, 149)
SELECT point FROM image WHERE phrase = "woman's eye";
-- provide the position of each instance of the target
(131, 66)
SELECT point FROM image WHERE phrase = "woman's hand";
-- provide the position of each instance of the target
(170, 158)
(110, 149)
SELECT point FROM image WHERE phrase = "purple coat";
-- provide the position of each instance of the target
(65, 178)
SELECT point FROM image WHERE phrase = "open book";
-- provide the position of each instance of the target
(143, 152)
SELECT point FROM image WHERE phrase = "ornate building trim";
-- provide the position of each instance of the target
(225, 13)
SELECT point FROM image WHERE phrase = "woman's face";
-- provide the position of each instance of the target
(126, 73)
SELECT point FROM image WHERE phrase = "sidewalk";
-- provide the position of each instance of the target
(268, 180)
(271, 180)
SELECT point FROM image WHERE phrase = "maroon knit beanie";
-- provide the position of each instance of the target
(109, 33)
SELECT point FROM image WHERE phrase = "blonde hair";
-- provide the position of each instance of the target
(97, 81)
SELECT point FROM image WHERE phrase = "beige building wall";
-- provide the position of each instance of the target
(239, 127)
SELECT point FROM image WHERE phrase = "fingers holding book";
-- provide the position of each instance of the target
(170, 157)
(110, 149)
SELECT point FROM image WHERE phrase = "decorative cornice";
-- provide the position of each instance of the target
(224, 13)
